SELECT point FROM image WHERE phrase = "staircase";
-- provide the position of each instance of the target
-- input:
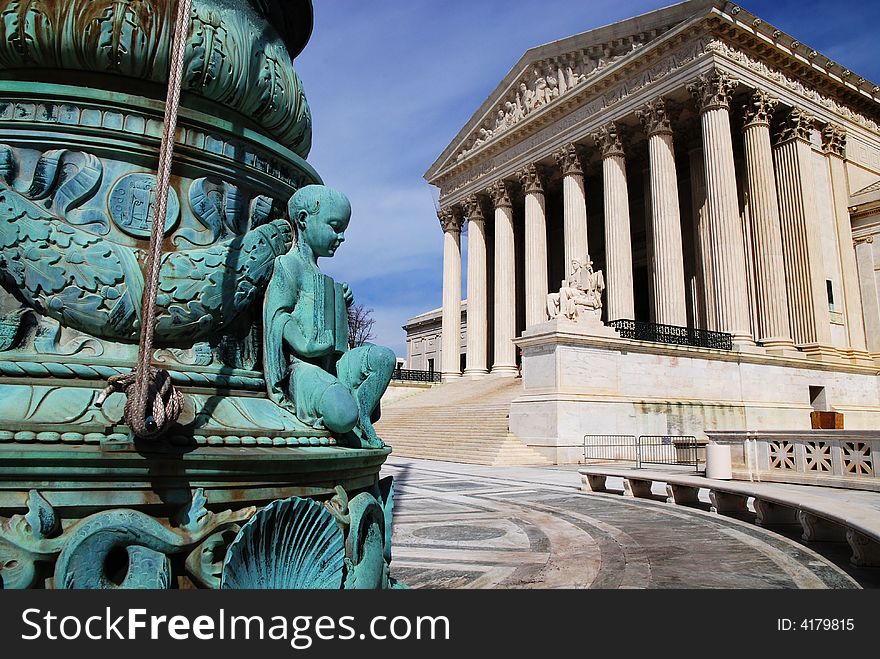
(461, 421)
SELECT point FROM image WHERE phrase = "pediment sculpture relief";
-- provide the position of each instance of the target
(544, 82)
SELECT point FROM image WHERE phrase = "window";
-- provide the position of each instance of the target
(818, 399)
(829, 288)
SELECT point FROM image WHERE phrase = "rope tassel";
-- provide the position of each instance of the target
(153, 405)
(163, 405)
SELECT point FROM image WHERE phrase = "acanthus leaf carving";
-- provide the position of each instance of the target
(797, 125)
(501, 194)
(834, 140)
(568, 159)
(713, 90)
(608, 139)
(760, 108)
(654, 118)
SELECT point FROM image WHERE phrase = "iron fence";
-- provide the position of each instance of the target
(683, 450)
(408, 375)
(611, 448)
(670, 450)
(672, 334)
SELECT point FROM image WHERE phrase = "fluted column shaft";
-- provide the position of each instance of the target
(476, 360)
(804, 275)
(450, 363)
(729, 281)
(864, 248)
(574, 206)
(774, 329)
(670, 306)
(618, 243)
(705, 303)
(536, 247)
(835, 150)
(504, 362)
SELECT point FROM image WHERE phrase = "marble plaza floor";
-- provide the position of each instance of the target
(468, 526)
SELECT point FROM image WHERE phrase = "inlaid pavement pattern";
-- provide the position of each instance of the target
(467, 526)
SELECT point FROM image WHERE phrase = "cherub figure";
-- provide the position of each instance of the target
(309, 367)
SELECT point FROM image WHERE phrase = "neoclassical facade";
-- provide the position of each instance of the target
(706, 162)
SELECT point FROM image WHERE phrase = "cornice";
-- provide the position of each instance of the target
(785, 60)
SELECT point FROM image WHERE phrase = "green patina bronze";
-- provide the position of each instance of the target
(276, 436)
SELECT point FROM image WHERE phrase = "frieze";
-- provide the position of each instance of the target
(232, 56)
(84, 115)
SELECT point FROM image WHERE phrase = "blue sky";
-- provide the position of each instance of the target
(391, 82)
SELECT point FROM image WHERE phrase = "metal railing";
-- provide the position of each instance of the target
(408, 375)
(672, 334)
(611, 448)
(684, 450)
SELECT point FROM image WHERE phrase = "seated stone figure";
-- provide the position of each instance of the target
(309, 367)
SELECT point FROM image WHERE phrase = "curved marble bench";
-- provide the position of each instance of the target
(822, 516)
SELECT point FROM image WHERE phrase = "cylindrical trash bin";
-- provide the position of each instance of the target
(718, 462)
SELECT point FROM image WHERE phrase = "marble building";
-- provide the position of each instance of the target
(725, 178)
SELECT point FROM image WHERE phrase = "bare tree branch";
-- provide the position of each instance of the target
(360, 325)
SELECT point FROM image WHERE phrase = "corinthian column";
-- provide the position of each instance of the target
(575, 206)
(864, 248)
(536, 246)
(668, 259)
(504, 362)
(618, 244)
(804, 273)
(450, 364)
(774, 330)
(705, 303)
(476, 360)
(834, 146)
(730, 286)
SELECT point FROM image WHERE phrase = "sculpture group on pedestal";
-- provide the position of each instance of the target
(580, 297)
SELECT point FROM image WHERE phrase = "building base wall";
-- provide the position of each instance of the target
(581, 380)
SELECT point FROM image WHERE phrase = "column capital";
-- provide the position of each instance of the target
(834, 140)
(500, 193)
(865, 239)
(474, 208)
(797, 125)
(568, 159)
(655, 118)
(713, 90)
(450, 219)
(759, 110)
(607, 138)
(532, 179)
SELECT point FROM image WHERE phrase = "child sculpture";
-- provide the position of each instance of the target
(309, 367)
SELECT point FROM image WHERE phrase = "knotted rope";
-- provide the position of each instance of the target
(153, 404)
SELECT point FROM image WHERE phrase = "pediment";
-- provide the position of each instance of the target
(545, 75)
